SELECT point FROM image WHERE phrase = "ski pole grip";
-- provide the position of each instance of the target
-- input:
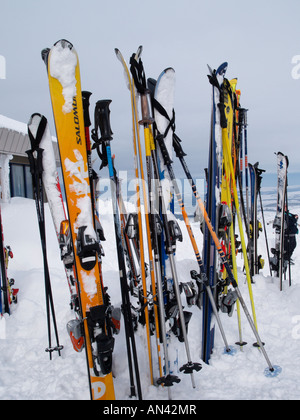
(102, 115)
(146, 109)
(86, 105)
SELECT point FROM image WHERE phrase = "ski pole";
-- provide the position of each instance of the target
(36, 169)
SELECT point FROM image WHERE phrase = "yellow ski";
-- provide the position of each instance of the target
(65, 91)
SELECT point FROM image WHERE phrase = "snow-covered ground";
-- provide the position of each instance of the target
(27, 373)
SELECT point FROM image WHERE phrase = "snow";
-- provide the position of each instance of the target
(63, 62)
(80, 186)
(50, 174)
(13, 124)
(27, 373)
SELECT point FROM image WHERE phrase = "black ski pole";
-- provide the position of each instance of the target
(35, 155)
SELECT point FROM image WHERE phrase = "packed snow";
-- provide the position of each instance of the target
(63, 62)
(27, 373)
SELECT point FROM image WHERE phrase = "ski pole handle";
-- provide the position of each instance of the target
(102, 116)
(146, 109)
(86, 105)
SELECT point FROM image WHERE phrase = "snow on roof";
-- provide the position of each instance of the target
(14, 138)
(13, 124)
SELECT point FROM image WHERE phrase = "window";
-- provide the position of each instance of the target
(20, 181)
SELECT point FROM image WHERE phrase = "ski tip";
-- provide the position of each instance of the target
(221, 70)
(64, 44)
(119, 55)
(272, 373)
(45, 55)
(169, 69)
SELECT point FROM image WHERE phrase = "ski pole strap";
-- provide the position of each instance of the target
(176, 140)
(221, 106)
(213, 79)
(164, 113)
(138, 74)
(36, 164)
(35, 141)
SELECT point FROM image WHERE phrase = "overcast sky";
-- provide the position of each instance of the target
(259, 40)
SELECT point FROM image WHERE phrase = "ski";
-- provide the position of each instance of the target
(66, 97)
(277, 261)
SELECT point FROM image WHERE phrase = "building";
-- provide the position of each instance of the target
(15, 176)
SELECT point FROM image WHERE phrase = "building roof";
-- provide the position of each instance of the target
(14, 138)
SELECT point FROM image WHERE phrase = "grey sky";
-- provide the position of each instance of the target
(257, 38)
